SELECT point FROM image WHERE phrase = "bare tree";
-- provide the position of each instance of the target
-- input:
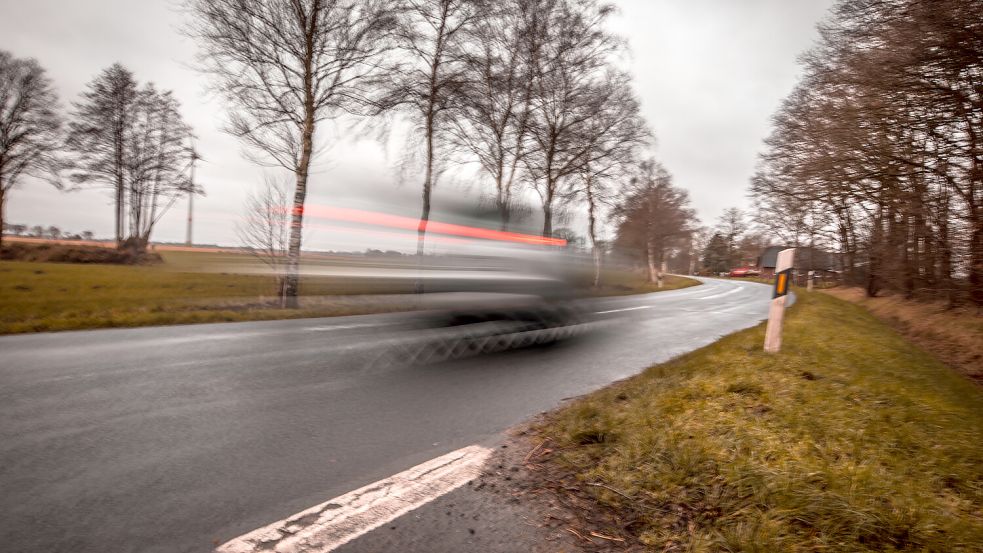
(286, 66)
(29, 125)
(878, 149)
(501, 49)
(699, 239)
(265, 230)
(428, 83)
(158, 156)
(16, 230)
(732, 225)
(572, 58)
(655, 218)
(133, 140)
(613, 134)
(98, 134)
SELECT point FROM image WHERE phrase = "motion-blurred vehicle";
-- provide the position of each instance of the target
(477, 289)
(497, 297)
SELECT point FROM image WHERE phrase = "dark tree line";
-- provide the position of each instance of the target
(878, 152)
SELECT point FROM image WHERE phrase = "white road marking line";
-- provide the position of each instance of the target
(334, 523)
(624, 309)
(206, 337)
(340, 326)
(731, 291)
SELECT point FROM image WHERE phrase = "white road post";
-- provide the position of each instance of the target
(783, 272)
(812, 277)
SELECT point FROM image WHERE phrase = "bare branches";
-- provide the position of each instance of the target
(286, 66)
(134, 141)
(878, 148)
(265, 229)
(572, 56)
(496, 105)
(655, 217)
(281, 62)
(29, 125)
(428, 82)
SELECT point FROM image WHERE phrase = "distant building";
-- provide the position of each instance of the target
(806, 259)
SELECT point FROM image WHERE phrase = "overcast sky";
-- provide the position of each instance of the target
(709, 74)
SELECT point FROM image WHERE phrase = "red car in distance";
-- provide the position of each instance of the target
(744, 272)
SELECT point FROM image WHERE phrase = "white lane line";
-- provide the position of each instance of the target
(334, 523)
(342, 326)
(722, 294)
(623, 309)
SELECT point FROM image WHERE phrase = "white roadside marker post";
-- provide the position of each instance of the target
(783, 272)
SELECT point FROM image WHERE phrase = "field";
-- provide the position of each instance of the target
(196, 287)
(850, 439)
(189, 288)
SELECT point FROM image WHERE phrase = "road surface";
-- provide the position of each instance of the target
(179, 438)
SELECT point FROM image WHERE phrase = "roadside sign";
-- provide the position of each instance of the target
(776, 312)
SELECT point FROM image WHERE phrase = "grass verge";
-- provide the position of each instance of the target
(620, 283)
(850, 439)
(37, 297)
(955, 335)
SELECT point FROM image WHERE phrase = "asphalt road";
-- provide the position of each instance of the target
(179, 438)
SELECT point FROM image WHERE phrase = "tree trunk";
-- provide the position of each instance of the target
(120, 213)
(548, 211)
(592, 232)
(501, 201)
(292, 278)
(547, 220)
(874, 248)
(421, 230)
(650, 256)
(976, 258)
(120, 181)
(3, 208)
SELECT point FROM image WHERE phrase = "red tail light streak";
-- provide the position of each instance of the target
(373, 218)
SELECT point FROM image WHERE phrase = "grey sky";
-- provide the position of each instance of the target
(709, 73)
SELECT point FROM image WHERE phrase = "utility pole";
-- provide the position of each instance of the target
(191, 207)
(192, 190)
(776, 312)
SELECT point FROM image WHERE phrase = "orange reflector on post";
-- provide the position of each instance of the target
(781, 283)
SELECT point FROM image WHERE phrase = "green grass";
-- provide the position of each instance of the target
(60, 296)
(850, 439)
(616, 283)
(198, 287)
